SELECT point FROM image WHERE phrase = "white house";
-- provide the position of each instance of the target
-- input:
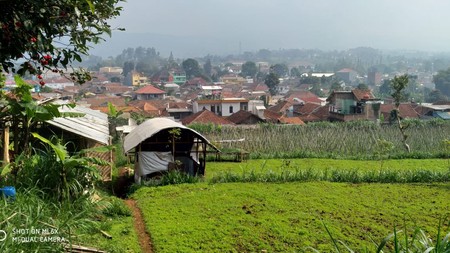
(222, 107)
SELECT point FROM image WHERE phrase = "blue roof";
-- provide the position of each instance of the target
(443, 115)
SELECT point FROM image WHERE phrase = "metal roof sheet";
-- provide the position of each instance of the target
(443, 115)
(93, 125)
(152, 127)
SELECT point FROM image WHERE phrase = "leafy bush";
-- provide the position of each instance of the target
(56, 174)
(173, 177)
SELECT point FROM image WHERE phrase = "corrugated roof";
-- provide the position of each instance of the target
(93, 125)
(152, 127)
(443, 115)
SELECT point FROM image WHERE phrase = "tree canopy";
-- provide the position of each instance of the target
(280, 69)
(442, 81)
(191, 67)
(50, 35)
(272, 81)
(249, 69)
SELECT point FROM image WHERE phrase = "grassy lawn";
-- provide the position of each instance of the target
(286, 217)
(277, 165)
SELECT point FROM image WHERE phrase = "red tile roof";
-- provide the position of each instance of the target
(306, 108)
(291, 120)
(241, 117)
(305, 96)
(362, 94)
(406, 110)
(149, 89)
(322, 112)
(281, 107)
(272, 117)
(103, 101)
(205, 117)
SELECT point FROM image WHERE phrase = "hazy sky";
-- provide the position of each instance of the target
(204, 27)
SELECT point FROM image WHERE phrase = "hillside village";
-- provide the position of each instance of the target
(273, 150)
(300, 97)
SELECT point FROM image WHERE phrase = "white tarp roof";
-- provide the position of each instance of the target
(93, 125)
(151, 127)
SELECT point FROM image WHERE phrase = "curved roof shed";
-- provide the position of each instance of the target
(155, 152)
(153, 126)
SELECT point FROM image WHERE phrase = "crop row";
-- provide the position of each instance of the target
(333, 140)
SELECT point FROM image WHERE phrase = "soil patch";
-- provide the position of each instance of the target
(139, 224)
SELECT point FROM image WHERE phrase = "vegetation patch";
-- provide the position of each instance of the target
(349, 140)
(251, 217)
(318, 166)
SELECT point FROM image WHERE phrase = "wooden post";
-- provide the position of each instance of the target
(6, 145)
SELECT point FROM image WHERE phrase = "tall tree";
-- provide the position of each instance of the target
(280, 69)
(191, 68)
(398, 84)
(442, 81)
(295, 72)
(128, 66)
(272, 81)
(51, 34)
(249, 69)
(436, 96)
(385, 88)
(207, 67)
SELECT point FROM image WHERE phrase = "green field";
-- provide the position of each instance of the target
(290, 216)
(287, 217)
(278, 165)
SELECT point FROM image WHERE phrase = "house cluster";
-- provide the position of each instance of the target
(233, 100)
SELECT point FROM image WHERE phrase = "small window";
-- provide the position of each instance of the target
(231, 109)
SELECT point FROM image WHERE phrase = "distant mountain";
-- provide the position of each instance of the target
(180, 46)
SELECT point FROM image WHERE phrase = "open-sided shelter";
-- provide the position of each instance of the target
(161, 143)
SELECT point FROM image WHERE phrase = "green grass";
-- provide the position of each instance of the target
(79, 223)
(124, 238)
(287, 217)
(277, 165)
(116, 220)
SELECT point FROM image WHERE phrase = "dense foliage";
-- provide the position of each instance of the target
(49, 35)
(442, 81)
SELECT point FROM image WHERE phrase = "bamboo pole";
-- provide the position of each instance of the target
(6, 145)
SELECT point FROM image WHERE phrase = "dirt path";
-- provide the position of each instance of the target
(144, 238)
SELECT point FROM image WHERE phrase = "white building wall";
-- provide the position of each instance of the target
(226, 108)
